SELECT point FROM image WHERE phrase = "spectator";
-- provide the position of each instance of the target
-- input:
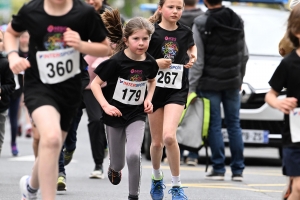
(217, 75)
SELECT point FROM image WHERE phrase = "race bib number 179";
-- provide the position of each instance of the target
(58, 65)
(130, 92)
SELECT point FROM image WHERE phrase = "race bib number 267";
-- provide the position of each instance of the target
(170, 77)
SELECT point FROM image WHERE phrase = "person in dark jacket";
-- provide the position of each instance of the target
(7, 87)
(217, 75)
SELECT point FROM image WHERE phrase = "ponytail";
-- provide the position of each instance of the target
(156, 17)
(113, 24)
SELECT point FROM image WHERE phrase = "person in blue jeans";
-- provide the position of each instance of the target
(218, 75)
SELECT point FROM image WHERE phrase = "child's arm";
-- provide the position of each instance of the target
(147, 103)
(164, 63)
(97, 91)
(16, 63)
(192, 52)
(99, 49)
(284, 105)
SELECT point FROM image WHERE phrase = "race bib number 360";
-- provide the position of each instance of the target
(129, 92)
(58, 65)
(170, 77)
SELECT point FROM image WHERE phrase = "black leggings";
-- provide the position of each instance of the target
(95, 127)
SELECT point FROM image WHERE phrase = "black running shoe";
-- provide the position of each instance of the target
(215, 176)
(114, 177)
(133, 197)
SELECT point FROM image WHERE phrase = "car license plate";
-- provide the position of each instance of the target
(250, 136)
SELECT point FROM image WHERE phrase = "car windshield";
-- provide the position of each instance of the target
(264, 28)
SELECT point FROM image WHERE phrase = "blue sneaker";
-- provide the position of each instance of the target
(157, 189)
(177, 193)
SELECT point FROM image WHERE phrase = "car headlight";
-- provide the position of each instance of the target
(245, 92)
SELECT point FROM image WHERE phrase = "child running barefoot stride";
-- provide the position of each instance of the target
(169, 44)
(59, 31)
(125, 100)
(287, 76)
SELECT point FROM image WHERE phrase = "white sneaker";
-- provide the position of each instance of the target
(24, 192)
(97, 174)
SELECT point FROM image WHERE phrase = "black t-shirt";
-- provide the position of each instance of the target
(121, 66)
(46, 31)
(173, 45)
(46, 34)
(287, 76)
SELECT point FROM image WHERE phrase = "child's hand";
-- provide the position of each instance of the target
(72, 39)
(148, 107)
(164, 63)
(112, 111)
(287, 104)
(191, 61)
(18, 64)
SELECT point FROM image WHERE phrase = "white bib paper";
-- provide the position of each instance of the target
(58, 65)
(130, 92)
(170, 77)
(295, 125)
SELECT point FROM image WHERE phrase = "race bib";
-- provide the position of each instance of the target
(295, 125)
(170, 77)
(58, 65)
(130, 92)
(16, 78)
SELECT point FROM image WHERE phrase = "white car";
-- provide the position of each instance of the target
(264, 27)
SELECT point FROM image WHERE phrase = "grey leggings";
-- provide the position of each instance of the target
(133, 135)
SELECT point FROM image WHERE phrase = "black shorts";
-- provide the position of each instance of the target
(164, 96)
(291, 161)
(64, 97)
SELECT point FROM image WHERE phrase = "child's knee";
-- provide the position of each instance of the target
(296, 185)
(133, 157)
(51, 140)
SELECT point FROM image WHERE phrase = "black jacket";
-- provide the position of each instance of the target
(221, 33)
(7, 83)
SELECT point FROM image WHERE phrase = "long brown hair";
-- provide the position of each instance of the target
(293, 26)
(116, 31)
(156, 17)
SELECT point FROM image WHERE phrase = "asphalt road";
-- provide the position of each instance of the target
(262, 177)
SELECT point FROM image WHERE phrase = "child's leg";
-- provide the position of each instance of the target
(295, 195)
(13, 118)
(116, 142)
(156, 130)
(2, 128)
(36, 139)
(172, 114)
(51, 138)
(134, 135)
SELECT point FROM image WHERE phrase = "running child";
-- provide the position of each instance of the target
(286, 76)
(59, 31)
(126, 99)
(7, 87)
(169, 44)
